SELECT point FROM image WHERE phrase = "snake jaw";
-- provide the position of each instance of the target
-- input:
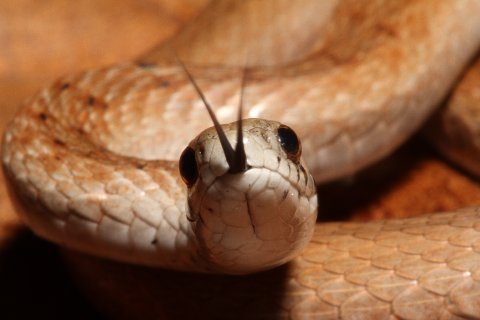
(258, 232)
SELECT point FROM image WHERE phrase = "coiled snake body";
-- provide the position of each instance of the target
(83, 159)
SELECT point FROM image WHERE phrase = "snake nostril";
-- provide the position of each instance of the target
(289, 142)
(188, 166)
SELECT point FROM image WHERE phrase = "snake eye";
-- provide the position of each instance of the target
(188, 166)
(289, 142)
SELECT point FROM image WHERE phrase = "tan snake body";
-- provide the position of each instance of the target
(80, 157)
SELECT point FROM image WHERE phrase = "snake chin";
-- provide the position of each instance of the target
(263, 224)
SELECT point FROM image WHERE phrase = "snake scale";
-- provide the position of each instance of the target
(92, 158)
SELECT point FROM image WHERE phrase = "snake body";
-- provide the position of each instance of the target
(82, 156)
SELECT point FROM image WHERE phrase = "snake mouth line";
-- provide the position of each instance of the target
(250, 215)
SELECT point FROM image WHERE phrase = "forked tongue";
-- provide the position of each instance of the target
(236, 159)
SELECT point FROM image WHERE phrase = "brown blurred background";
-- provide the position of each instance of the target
(41, 40)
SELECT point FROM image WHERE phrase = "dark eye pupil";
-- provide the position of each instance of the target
(188, 166)
(289, 142)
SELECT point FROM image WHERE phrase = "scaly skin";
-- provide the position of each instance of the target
(352, 96)
(420, 268)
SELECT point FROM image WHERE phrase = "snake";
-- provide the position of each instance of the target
(103, 161)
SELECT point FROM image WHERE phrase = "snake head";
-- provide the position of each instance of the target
(257, 218)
